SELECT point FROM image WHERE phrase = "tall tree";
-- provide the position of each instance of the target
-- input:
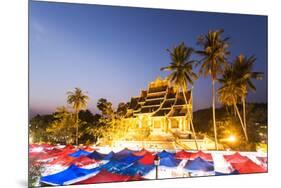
(243, 67)
(62, 129)
(231, 92)
(79, 101)
(214, 55)
(182, 74)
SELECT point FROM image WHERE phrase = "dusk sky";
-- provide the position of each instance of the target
(114, 52)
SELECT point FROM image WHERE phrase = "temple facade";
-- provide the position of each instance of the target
(162, 109)
(160, 118)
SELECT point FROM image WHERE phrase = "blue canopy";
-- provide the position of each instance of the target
(71, 175)
(137, 169)
(169, 161)
(79, 153)
(100, 156)
(231, 173)
(109, 156)
(114, 166)
(124, 153)
(164, 154)
(199, 164)
(128, 159)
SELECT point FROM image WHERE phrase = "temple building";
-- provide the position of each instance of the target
(160, 118)
(162, 109)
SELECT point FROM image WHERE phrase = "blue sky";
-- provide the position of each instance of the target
(114, 52)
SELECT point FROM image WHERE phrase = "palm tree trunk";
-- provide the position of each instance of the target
(191, 120)
(76, 122)
(241, 122)
(214, 113)
(244, 113)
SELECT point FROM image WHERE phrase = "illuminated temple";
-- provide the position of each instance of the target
(160, 118)
(161, 109)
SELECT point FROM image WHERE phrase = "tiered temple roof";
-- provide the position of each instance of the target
(160, 99)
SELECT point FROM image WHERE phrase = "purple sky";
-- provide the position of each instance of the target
(114, 52)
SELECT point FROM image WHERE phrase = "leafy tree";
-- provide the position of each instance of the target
(231, 92)
(88, 122)
(37, 128)
(62, 129)
(78, 100)
(122, 109)
(182, 74)
(243, 67)
(214, 54)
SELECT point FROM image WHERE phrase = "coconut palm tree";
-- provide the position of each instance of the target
(214, 55)
(243, 68)
(182, 74)
(78, 100)
(231, 92)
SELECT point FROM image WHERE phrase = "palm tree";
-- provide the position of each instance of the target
(78, 100)
(214, 57)
(243, 67)
(231, 92)
(182, 74)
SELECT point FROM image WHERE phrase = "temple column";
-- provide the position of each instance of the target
(140, 122)
(181, 124)
(169, 124)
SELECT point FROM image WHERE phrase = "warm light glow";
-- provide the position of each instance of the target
(231, 138)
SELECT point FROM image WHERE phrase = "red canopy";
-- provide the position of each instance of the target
(63, 160)
(235, 158)
(148, 159)
(105, 176)
(69, 147)
(262, 159)
(83, 161)
(54, 151)
(202, 155)
(141, 152)
(248, 167)
(88, 148)
(183, 155)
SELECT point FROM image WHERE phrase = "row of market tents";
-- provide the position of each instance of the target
(66, 165)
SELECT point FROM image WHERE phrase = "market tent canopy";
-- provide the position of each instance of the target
(235, 158)
(124, 153)
(79, 153)
(83, 161)
(202, 155)
(199, 164)
(169, 162)
(128, 159)
(114, 166)
(234, 172)
(54, 151)
(137, 169)
(164, 154)
(141, 152)
(104, 176)
(88, 148)
(262, 159)
(69, 146)
(183, 155)
(248, 167)
(63, 160)
(147, 159)
(221, 165)
(100, 156)
(69, 176)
